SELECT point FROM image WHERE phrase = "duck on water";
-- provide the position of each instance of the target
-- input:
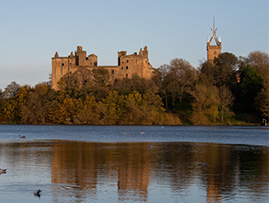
(3, 171)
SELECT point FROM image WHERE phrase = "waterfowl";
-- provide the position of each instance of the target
(3, 171)
(22, 137)
(37, 193)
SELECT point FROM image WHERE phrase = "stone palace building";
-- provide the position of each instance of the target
(128, 65)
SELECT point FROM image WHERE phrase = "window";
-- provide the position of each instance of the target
(126, 75)
(121, 67)
(126, 67)
(214, 52)
(62, 64)
(112, 71)
(127, 61)
(87, 58)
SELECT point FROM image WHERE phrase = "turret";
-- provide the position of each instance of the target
(121, 53)
(80, 56)
(56, 55)
(144, 52)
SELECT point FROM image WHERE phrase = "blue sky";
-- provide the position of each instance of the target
(32, 30)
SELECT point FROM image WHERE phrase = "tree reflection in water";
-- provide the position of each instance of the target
(144, 171)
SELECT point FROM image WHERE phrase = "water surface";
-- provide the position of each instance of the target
(134, 164)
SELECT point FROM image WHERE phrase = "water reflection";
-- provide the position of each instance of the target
(80, 171)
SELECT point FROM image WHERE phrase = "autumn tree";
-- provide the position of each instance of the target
(101, 80)
(222, 71)
(127, 85)
(206, 103)
(77, 84)
(11, 90)
(185, 73)
(8, 110)
(35, 108)
(89, 113)
(260, 62)
(226, 102)
(178, 78)
(111, 108)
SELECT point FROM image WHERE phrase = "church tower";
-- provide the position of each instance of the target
(213, 51)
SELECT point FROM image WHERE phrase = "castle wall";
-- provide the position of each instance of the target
(128, 65)
(60, 67)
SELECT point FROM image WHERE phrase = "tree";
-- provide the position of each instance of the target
(250, 85)
(127, 85)
(262, 102)
(34, 108)
(222, 71)
(50, 80)
(185, 73)
(134, 111)
(177, 80)
(77, 84)
(11, 90)
(260, 62)
(101, 76)
(89, 114)
(206, 102)
(101, 85)
(226, 101)
(8, 110)
(33, 111)
(111, 108)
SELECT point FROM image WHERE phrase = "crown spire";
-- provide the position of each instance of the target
(214, 33)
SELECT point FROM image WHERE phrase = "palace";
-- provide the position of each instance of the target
(213, 51)
(128, 65)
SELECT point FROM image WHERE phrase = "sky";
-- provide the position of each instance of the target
(31, 31)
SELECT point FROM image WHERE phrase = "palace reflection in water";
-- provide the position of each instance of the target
(81, 171)
(220, 169)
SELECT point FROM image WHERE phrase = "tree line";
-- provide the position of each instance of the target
(229, 90)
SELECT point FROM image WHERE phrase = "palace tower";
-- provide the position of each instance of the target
(213, 51)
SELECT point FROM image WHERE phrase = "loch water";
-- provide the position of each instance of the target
(134, 163)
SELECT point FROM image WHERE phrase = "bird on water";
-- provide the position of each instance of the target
(3, 171)
(37, 193)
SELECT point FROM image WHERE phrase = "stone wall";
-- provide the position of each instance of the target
(213, 51)
(128, 65)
